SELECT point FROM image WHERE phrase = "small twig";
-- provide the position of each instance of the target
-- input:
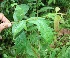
(61, 13)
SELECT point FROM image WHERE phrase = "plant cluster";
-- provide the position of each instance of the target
(40, 29)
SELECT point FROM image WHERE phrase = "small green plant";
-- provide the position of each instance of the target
(30, 34)
(40, 29)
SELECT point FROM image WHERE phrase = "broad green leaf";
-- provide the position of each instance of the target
(50, 1)
(31, 27)
(18, 27)
(34, 38)
(44, 9)
(20, 12)
(29, 50)
(45, 30)
(20, 43)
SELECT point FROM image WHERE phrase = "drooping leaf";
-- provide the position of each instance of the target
(44, 9)
(50, 1)
(20, 43)
(20, 12)
(45, 30)
(18, 27)
(29, 49)
(34, 38)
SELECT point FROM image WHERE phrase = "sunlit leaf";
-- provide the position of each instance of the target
(20, 43)
(18, 27)
(45, 31)
(20, 12)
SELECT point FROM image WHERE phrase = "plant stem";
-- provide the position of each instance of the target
(37, 7)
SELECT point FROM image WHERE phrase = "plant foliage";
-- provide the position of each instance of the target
(40, 29)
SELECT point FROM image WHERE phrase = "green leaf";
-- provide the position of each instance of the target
(20, 12)
(44, 9)
(67, 54)
(29, 50)
(45, 30)
(53, 53)
(20, 43)
(18, 27)
(34, 37)
(51, 15)
(50, 1)
(13, 4)
(31, 0)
